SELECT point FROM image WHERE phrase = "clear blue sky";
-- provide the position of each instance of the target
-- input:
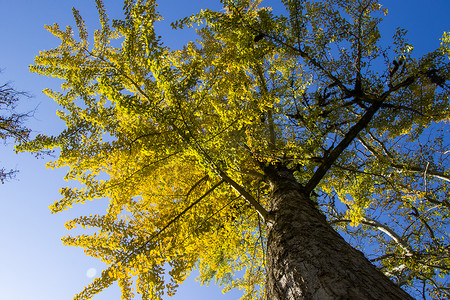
(33, 262)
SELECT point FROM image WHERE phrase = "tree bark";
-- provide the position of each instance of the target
(307, 259)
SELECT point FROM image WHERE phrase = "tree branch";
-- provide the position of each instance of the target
(352, 133)
(246, 195)
(385, 229)
(403, 167)
(140, 249)
(334, 154)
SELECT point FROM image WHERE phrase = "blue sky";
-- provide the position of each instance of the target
(34, 263)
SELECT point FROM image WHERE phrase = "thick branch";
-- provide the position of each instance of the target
(246, 195)
(391, 233)
(348, 138)
(351, 134)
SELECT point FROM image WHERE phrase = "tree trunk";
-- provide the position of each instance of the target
(307, 259)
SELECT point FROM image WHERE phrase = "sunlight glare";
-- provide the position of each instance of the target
(91, 272)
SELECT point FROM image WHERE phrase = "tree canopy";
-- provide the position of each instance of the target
(180, 141)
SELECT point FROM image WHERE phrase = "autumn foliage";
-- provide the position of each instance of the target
(180, 141)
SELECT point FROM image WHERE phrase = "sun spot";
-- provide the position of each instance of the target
(91, 272)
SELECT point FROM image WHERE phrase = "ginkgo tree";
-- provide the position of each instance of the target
(240, 154)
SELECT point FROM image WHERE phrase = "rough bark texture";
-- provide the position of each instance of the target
(307, 259)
